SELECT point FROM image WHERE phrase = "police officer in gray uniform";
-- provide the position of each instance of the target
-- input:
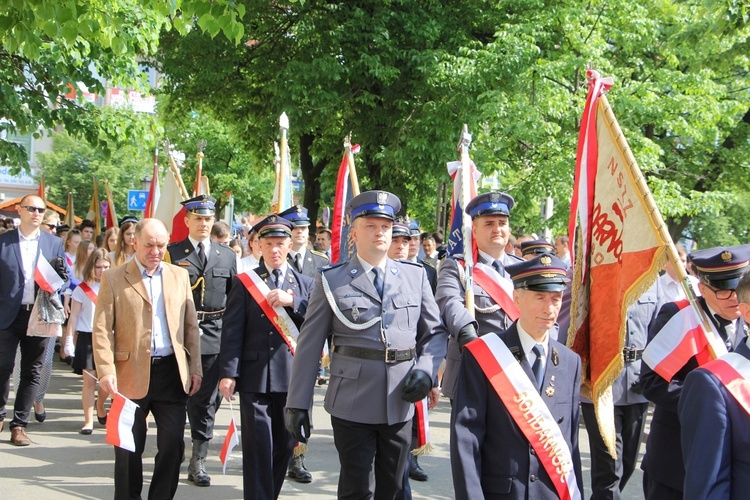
(388, 344)
(609, 476)
(211, 266)
(490, 215)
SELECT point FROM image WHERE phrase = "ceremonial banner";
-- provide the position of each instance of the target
(93, 213)
(455, 238)
(341, 246)
(282, 191)
(120, 422)
(618, 253)
(42, 193)
(153, 192)
(111, 218)
(681, 338)
(230, 441)
(70, 219)
(169, 210)
(421, 414)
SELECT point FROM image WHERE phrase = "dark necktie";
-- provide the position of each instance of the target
(498, 267)
(277, 278)
(538, 366)
(298, 262)
(723, 324)
(202, 254)
(378, 281)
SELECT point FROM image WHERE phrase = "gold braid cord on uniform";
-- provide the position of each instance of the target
(202, 282)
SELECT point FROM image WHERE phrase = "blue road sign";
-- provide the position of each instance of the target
(137, 199)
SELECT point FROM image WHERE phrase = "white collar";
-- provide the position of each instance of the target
(35, 236)
(206, 244)
(528, 343)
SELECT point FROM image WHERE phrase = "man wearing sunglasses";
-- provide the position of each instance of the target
(19, 252)
(719, 270)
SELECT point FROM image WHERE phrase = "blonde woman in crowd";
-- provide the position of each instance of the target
(80, 326)
(110, 239)
(125, 250)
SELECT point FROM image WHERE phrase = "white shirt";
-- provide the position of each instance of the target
(29, 250)
(206, 246)
(368, 270)
(247, 264)
(528, 343)
(86, 316)
(673, 290)
(284, 268)
(302, 252)
(161, 342)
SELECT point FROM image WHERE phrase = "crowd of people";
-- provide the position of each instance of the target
(265, 316)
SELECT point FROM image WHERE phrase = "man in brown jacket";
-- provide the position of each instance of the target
(147, 347)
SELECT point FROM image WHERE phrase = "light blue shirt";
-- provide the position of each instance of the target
(528, 343)
(161, 343)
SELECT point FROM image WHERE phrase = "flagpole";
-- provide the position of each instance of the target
(199, 171)
(176, 171)
(350, 163)
(466, 179)
(283, 162)
(656, 218)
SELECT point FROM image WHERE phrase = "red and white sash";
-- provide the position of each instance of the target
(528, 410)
(280, 319)
(733, 370)
(421, 414)
(681, 338)
(46, 277)
(90, 293)
(500, 289)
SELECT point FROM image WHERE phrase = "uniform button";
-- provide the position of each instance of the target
(559, 420)
(533, 452)
(389, 344)
(270, 333)
(262, 315)
(271, 349)
(148, 351)
(341, 371)
(532, 478)
(385, 326)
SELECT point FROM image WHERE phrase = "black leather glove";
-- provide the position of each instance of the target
(416, 386)
(58, 264)
(298, 424)
(466, 335)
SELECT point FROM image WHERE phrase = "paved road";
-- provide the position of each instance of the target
(61, 464)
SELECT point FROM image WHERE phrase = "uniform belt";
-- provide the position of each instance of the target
(155, 360)
(387, 355)
(631, 355)
(209, 315)
(27, 307)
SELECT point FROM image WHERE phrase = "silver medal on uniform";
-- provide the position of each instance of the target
(355, 313)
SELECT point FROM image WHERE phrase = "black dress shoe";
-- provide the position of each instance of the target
(298, 471)
(416, 472)
(86, 431)
(102, 420)
(197, 472)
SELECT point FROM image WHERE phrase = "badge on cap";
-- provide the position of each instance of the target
(546, 261)
(382, 197)
(726, 256)
(494, 197)
(299, 211)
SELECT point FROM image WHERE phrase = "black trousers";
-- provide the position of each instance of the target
(166, 400)
(32, 360)
(372, 458)
(609, 476)
(203, 405)
(654, 490)
(266, 444)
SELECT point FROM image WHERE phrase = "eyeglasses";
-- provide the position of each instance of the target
(39, 210)
(51, 226)
(721, 294)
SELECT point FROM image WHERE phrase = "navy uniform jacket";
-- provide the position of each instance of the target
(221, 267)
(11, 270)
(252, 350)
(431, 275)
(715, 438)
(363, 390)
(450, 296)
(663, 458)
(490, 457)
(313, 261)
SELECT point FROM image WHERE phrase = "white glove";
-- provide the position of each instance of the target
(70, 347)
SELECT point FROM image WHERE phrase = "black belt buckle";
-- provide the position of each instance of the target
(631, 355)
(390, 356)
(27, 307)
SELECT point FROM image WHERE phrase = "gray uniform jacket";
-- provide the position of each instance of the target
(450, 297)
(313, 261)
(363, 390)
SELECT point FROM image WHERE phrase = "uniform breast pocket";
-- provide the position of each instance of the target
(407, 308)
(355, 308)
(218, 273)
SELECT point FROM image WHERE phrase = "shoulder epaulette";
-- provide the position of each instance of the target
(319, 254)
(332, 266)
(427, 263)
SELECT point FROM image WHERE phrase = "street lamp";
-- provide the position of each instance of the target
(146, 183)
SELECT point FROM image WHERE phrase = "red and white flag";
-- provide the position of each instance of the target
(681, 338)
(456, 238)
(230, 441)
(120, 422)
(46, 277)
(421, 414)
(169, 210)
(619, 248)
(341, 244)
